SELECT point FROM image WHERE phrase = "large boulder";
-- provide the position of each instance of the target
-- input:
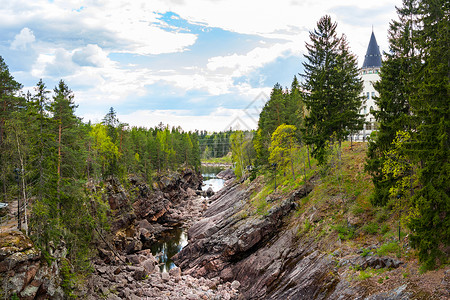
(226, 174)
(209, 192)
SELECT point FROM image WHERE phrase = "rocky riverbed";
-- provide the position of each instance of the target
(126, 268)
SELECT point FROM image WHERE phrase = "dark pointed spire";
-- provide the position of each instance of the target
(373, 55)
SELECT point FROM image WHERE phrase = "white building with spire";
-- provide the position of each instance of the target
(369, 74)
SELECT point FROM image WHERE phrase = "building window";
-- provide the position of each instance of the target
(373, 94)
(368, 95)
(365, 109)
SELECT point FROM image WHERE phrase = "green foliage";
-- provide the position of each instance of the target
(218, 160)
(345, 232)
(365, 252)
(389, 248)
(15, 297)
(370, 228)
(242, 152)
(68, 279)
(214, 145)
(332, 89)
(409, 156)
(262, 206)
(307, 226)
(363, 275)
(384, 229)
(105, 152)
(283, 148)
(55, 155)
(283, 107)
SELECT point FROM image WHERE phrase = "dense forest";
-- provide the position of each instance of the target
(216, 144)
(408, 157)
(48, 154)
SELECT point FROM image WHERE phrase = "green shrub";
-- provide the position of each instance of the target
(363, 275)
(68, 279)
(381, 216)
(365, 252)
(14, 297)
(345, 232)
(370, 228)
(389, 248)
(307, 225)
(384, 229)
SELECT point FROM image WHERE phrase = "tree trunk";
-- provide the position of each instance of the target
(292, 163)
(22, 168)
(58, 185)
(309, 161)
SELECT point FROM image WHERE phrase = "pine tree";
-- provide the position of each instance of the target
(43, 142)
(332, 88)
(272, 115)
(114, 131)
(295, 108)
(69, 143)
(9, 89)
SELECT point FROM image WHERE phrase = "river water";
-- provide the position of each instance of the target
(173, 240)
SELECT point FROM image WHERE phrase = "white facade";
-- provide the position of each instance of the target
(369, 74)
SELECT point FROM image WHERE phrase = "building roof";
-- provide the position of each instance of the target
(373, 55)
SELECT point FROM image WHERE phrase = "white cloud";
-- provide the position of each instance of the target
(85, 46)
(256, 58)
(91, 55)
(23, 39)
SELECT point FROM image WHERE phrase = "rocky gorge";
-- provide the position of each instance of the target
(235, 250)
(126, 267)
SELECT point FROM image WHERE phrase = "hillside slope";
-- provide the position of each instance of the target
(313, 239)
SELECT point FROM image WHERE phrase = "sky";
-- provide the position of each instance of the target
(199, 64)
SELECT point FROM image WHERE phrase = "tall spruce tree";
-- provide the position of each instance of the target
(395, 88)
(430, 108)
(332, 88)
(414, 98)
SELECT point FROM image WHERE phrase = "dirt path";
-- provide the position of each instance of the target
(9, 221)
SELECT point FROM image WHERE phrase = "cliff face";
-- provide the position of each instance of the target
(140, 213)
(276, 254)
(23, 273)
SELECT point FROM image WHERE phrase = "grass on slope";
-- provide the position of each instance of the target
(338, 211)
